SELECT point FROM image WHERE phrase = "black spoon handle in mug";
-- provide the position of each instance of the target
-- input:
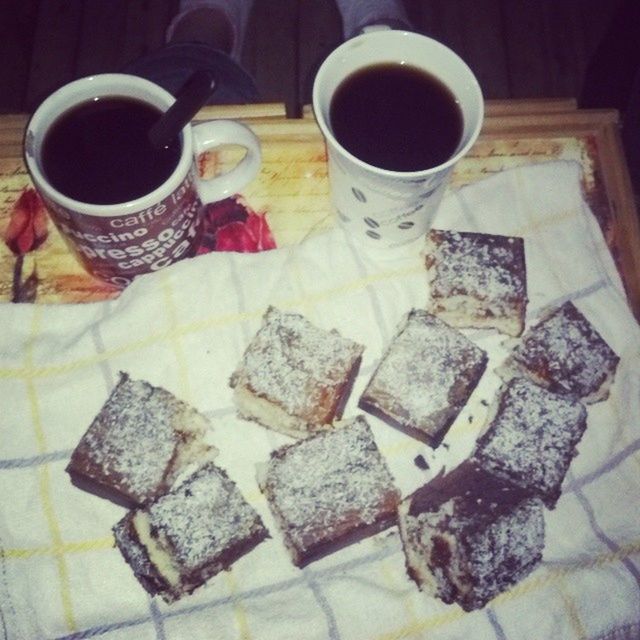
(190, 99)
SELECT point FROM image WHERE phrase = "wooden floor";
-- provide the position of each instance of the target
(518, 48)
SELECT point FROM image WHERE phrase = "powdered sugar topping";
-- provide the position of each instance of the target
(532, 439)
(567, 353)
(474, 533)
(428, 372)
(330, 484)
(487, 267)
(202, 517)
(297, 365)
(132, 441)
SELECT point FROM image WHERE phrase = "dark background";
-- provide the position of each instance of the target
(583, 49)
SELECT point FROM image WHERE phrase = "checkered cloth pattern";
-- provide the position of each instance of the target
(185, 329)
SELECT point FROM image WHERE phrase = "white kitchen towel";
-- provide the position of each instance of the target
(185, 328)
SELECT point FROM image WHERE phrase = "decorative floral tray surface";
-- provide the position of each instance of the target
(290, 198)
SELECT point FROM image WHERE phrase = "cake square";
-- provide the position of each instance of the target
(424, 378)
(140, 441)
(295, 377)
(477, 280)
(201, 526)
(469, 535)
(532, 438)
(564, 353)
(329, 490)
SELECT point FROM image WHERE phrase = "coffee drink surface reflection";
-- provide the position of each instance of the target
(99, 151)
(396, 117)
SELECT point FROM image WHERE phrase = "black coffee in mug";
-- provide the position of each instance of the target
(98, 151)
(396, 117)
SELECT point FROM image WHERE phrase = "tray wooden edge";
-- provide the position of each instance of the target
(604, 126)
(510, 118)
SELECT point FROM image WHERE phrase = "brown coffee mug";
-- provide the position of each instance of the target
(118, 241)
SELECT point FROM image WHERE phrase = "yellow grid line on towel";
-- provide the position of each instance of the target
(540, 225)
(391, 575)
(238, 609)
(531, 584)
(44, 479)
(357, 284)
(554, 573)
(309, 303)
(82, 546)
(44, 371)
(176, 335)
(572, 611)
(419, 626)
(183, 378)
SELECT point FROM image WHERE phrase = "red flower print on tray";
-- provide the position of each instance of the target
(230, 225)
(27, 228)
(26, 231)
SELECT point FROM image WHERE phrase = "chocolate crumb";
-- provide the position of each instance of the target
(420, 462)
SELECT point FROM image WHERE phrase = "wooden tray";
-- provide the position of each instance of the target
(292, 188)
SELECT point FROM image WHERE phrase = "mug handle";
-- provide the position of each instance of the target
(209, 135)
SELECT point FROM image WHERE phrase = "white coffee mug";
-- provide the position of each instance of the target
(382, 207)
(117, 242)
